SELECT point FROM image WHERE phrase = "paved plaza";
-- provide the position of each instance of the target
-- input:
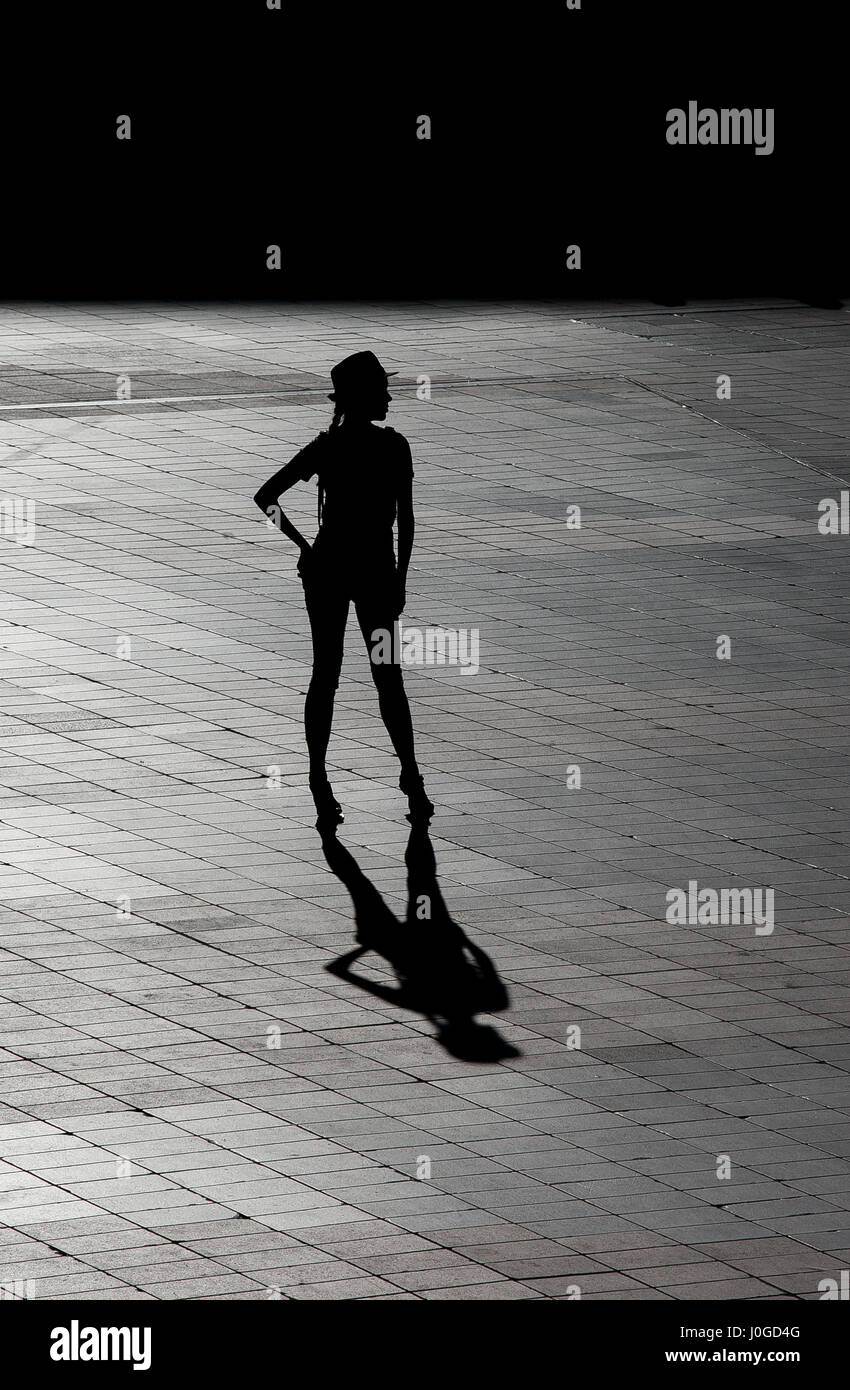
(622, 502)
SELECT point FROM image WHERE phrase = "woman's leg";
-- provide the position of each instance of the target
(327, 610)
(372, 616)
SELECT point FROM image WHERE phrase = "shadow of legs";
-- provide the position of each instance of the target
(439, 972)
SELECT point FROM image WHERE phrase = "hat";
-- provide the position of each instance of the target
(360, 372)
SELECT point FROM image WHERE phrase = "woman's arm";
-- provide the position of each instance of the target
(406, 528)
(266, 497)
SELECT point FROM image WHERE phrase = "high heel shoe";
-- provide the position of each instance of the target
(329, 810)
(421, 806)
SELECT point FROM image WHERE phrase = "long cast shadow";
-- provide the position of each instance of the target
(439, 972)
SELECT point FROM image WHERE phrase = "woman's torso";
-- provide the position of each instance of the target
(361, 473)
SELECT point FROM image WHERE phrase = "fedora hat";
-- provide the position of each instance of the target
(360, 372)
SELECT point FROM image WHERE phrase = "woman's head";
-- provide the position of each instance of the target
(360, 388)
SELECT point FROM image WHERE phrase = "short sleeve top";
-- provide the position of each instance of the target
(362, 473)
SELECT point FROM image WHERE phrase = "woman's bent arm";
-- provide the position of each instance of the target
(267, 495)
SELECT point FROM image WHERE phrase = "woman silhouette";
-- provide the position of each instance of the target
(365, 481)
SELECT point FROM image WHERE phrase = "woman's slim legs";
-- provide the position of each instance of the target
(328, 614)
(392, 696)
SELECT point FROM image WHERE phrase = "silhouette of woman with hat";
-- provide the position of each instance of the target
(365, 482)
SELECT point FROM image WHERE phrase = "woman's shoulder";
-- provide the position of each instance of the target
(310, 458)
(322, 443)
(394, 436)
(397, 445)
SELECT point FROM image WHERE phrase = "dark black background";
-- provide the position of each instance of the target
(298, 127)
(221, 1343)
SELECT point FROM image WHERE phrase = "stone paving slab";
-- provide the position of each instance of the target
(191, 1105)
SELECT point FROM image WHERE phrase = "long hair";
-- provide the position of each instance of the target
(339, 412)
